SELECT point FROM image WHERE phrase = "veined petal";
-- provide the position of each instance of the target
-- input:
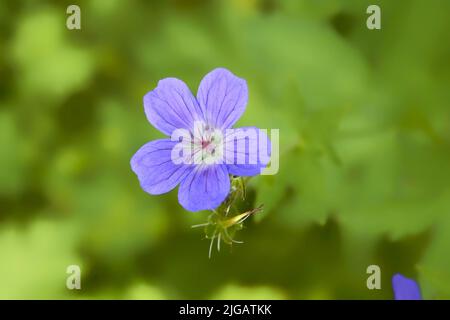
(171, 106)
(247, 151)
(156, 170)
(222, 97)
(405, 288)
(205, 188)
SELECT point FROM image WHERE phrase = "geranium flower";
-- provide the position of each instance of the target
(405, 288)
(216, 150)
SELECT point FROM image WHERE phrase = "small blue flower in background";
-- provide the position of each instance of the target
(220, 102)
(405, 288)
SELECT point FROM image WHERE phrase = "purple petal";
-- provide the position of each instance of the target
(156, 171)
(205, 188)
(222, 97)
(247, 151)
(405, 288)
(171, 106)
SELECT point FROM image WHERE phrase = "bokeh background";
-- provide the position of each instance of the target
(364, 119)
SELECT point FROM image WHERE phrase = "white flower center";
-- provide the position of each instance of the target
(207, 144)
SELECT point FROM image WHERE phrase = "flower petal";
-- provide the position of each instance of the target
(405, 288)
(222, 97)
(247, 151)
(156, 171)
(205, 188)
(172, 106)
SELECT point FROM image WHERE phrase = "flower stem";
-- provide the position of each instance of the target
(222, 227)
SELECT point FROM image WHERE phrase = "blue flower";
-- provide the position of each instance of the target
(215, 149)
(405, 288)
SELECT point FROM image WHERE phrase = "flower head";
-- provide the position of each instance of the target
(405, 288)
(203, 149)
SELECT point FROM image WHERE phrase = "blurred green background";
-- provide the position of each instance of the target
(364, 119)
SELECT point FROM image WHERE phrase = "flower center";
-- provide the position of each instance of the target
(207, 145)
